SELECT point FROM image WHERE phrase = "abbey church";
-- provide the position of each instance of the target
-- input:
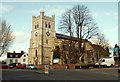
(44, 39)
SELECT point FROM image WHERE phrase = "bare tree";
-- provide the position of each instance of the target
(6, 36)
(66, 23)
(79, 21)
(101, 40)
(85, 26)
(69, 52)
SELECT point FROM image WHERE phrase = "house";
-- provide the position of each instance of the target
(13, 57)
(24, 59)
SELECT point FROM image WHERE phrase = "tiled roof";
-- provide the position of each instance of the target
(14, 54)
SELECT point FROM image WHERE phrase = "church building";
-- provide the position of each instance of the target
(44, 39)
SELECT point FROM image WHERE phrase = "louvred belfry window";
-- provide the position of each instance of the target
(45, 24)
(49, 25)
(37, 26)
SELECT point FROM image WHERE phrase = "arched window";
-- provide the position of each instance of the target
(46, 41)
(36, 53)
(37, 25)
(49, 25)
(45, 24)
(36, 59)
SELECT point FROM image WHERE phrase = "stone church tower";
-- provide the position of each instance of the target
(42, 39)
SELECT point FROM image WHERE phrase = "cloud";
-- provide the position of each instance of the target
(111, 30)
(56, 9)
(19, 47)
(35, 11)
(3, 57)
(21, 37)
(21, 42)
(49, 10)
(4, 8)
(104, 14)
(111, 13)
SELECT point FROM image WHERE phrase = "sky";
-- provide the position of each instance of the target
(19, 16)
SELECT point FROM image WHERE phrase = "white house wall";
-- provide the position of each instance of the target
(13, 60)
(26, 59)
(20, 60)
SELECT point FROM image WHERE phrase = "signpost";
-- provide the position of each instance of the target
(46, 69)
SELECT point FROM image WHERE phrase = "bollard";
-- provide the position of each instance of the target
(67, 67)
(46, 69)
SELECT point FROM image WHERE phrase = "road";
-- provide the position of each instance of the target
(66, 74)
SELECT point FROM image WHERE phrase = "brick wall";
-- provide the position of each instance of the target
(63, 66)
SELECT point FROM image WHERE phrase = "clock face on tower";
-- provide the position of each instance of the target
(35, 33)
(48, 33)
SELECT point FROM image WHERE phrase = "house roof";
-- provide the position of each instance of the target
(14, 54)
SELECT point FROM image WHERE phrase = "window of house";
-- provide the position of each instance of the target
(16, 61)
(16, 55)
(23, 60)
(11, 61)
(10, 55)
(46, 41)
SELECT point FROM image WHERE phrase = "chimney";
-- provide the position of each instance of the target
(22, 52)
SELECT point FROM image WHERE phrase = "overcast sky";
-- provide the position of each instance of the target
(19, 16)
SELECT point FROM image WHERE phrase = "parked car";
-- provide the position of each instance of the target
(106, 62)
(12, 65)
(31, 66)
(4, 66)
(18, 66)
(21, 66)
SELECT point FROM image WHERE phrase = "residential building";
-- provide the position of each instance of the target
(24, 59)
(13, 57)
